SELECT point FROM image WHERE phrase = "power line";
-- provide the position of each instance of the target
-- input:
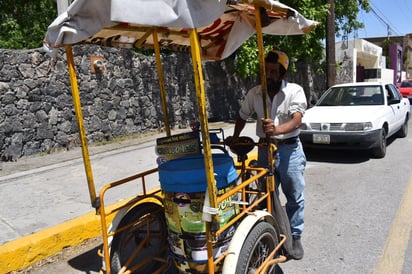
(384, 21)
(361, 17)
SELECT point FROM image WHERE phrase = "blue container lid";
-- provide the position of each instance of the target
(188, 174)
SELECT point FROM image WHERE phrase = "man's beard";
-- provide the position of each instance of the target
(273, 85)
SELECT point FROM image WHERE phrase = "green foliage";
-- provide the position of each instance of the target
(24, 23)
(346, 15)
(309, 47)
(247, 59)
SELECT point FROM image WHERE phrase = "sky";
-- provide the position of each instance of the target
(395, 13)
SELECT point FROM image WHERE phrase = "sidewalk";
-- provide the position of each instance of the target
(44, 200)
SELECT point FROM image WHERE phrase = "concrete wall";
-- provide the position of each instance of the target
(358, 61)
(387, 75)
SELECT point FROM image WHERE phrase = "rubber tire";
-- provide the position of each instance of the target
(260, 242)
(125, 243)
(380, 150)
(403, 131)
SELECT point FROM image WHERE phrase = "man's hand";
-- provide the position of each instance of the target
(269, 127)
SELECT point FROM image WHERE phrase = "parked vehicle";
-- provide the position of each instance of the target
(406, 89)
(356, 115)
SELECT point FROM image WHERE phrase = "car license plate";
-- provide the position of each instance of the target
(321, 139)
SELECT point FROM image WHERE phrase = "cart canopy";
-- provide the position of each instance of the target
(222, 25)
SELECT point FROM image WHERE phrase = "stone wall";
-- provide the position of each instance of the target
(36, 107)
(37, 114)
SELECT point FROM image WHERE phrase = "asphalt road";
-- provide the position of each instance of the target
(357, 217)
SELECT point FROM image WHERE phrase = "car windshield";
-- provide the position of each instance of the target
(406, 84)
(352, 96)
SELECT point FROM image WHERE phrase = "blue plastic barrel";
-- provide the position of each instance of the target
(188, 174)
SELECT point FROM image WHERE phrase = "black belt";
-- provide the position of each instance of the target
(288, 141)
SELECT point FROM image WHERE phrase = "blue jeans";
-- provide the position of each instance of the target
(290, 163)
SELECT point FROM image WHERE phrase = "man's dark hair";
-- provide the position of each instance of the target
(272, 57)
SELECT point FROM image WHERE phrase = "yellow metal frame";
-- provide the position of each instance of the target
(212, 229)
(161, 81)
(80, 122)
(155, 196)
(147, 196)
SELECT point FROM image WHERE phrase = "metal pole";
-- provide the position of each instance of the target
(261, 58)
(80, 123)
(161, 81)
(330, 45)
(270, 147)
(201, 103)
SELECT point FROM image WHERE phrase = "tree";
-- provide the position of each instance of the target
(309, 47)
(346, 13)
(24, 23)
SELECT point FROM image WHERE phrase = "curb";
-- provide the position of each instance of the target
(25, 251)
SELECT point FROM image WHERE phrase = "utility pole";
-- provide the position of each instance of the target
(330, 45)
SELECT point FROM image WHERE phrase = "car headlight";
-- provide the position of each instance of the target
(358, 126)
(367, 126)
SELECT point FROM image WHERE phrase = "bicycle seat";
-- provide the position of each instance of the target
(242, 147)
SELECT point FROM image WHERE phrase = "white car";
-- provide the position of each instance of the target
(356, 116)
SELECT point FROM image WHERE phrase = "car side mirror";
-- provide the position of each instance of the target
(394, 101)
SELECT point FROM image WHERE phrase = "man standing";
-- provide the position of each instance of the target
(286, 105)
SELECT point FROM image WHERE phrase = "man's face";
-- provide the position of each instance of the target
(273, 78)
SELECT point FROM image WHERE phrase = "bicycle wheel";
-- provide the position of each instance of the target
(258, 245)
(149, 225)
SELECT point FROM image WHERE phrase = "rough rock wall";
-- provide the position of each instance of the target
(36, 108)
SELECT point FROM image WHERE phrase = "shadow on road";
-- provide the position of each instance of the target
(337, 156)
(89, 261)
(342, 156)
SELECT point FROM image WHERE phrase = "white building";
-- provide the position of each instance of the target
(361, 61)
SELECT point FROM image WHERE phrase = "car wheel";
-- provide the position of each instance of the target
(380, 150)
(403, 131)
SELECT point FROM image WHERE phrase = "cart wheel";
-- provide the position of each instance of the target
(258, 245)
(149, 225)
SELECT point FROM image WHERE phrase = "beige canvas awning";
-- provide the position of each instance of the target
(222, 26)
